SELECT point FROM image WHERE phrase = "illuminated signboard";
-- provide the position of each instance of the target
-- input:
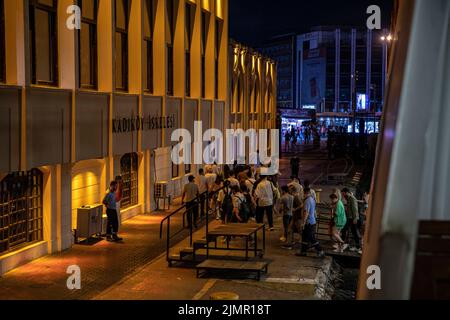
(361, 101)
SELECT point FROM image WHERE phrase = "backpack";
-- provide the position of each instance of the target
(244, 210)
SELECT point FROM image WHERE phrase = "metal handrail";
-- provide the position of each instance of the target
(191, 230)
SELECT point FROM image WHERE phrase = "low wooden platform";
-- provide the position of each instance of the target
(233, 265)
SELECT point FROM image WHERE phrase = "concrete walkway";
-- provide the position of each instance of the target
(102, 264)
(289, 277)
(136, 268)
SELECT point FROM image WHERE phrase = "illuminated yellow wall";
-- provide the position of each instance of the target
(88, 186)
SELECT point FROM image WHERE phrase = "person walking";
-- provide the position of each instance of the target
(211, 178)
(264, 194)
(339, 222)
(190, 193)
(109, 201)
(295, 184)
(225, 202)
(309, 226)
(296, 224)
(232, 179)
(352, 220)
(295, 166)
(202, 189)
(240, 207)
(287, 203)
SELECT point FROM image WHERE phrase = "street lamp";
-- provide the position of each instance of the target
(386, 39)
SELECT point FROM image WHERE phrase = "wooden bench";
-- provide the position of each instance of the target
(233, 265)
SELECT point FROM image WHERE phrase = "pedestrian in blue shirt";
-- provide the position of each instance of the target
(309, 226)
(111, 211)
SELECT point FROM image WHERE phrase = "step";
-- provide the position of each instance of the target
(198, 244)
(186, 252)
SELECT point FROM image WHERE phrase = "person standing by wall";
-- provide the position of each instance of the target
(309, 226)
(111, 211)
(190, 193)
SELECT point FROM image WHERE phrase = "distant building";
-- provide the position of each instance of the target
(339, 67)
(282, 49)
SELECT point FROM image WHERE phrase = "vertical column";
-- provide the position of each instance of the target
(384, 70)
(369, 65)
(353, 70)
(337, 83)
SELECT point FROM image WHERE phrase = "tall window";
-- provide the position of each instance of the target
(2, 43)
(129, 172)
(149, 19)
(204, 39)
(21, 216)
(190, 16)
(44, 45)
(121, 35)
(170, 7)
(87, 39)
(218, 39)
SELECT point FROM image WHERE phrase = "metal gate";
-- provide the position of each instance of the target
(21, 217)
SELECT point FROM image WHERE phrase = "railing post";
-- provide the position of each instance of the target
(168, 239)
(207, 212)
(191, 227)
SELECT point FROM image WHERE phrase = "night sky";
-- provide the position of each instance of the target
(254, 21)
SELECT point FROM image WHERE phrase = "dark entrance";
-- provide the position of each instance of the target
(21, 217)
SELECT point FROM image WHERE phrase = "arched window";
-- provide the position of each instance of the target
(21, 217)
(129, 172)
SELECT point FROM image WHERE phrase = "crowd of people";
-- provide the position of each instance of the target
(241, 195)
(301, 135)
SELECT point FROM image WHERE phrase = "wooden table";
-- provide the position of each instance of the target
(238, 230)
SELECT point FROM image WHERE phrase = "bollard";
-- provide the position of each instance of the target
(224, 296)
(318, 192)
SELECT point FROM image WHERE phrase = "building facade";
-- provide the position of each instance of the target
(283, 50)
(79, 106)
(341, 67)
(253, 91)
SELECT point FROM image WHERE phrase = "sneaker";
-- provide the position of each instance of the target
(321, 254)
(287, 246)
(344, 247)
(283, 239)
(353, 249)
(116, 238)
(360, 252)
(109, 238)
(336, 246)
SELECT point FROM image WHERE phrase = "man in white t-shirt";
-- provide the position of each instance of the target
(296, 186)
(233, 180)
(264, 200)
(211, 178)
